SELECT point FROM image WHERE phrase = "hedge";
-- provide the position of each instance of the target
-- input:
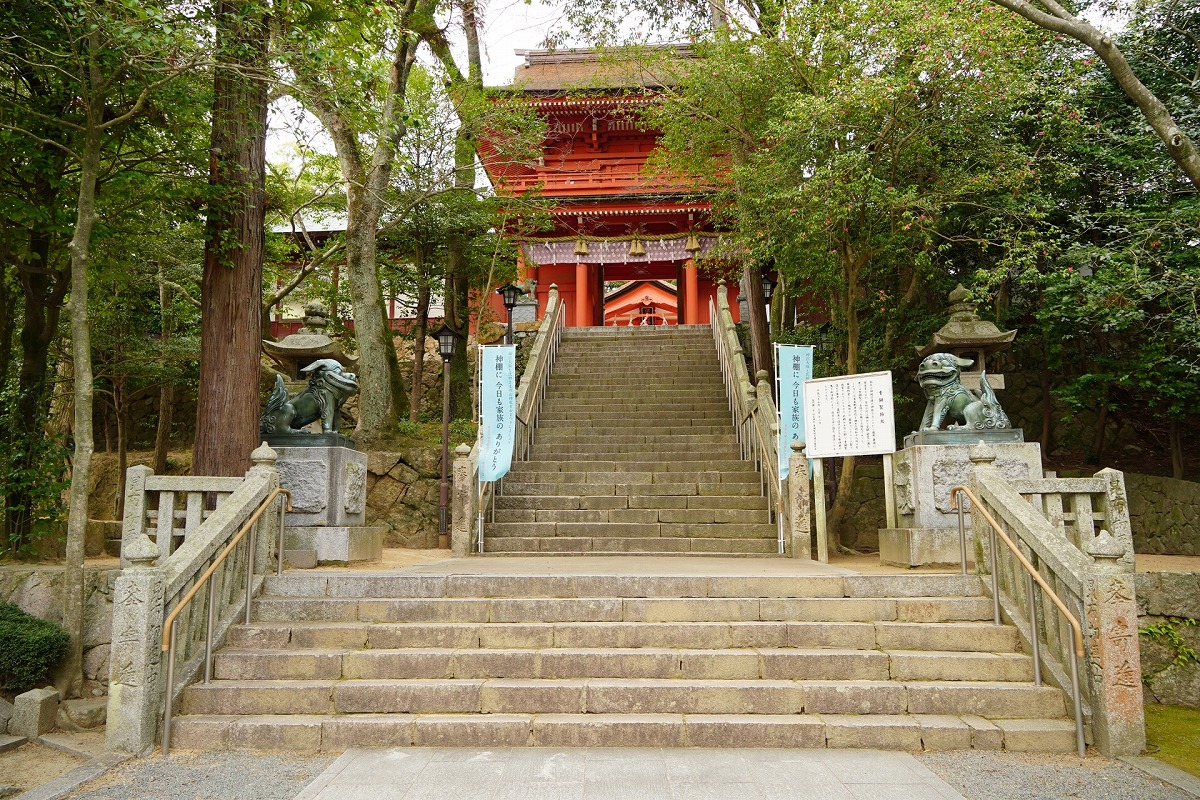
(30, 649)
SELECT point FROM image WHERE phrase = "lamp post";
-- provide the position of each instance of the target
(446, 341)
(510, 294)
(768, 289)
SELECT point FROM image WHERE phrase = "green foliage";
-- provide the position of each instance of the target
(463, 430)
(1166, 633)
(30, 648)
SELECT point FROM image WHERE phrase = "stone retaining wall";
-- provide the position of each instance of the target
(38, 591)
(402, 494)
(1164, 514)
(1166, 600)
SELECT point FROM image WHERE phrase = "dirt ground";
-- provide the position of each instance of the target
(33, 764)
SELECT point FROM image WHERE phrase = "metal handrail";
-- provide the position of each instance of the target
(1032, 577)
(169, 629)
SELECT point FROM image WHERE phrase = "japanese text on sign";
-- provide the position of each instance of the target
(851, 415)
(795, 366)
(498, 411)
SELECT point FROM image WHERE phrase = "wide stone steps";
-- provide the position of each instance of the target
(926, 637)
(708, 545)
(621, 485)
(304, 733)
(612, 502)
(636, 515)
(513, 610)
(340, 660)
(990, 699)
(784, 663)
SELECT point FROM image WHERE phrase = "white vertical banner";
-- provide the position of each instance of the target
(497, 410)
(849, 416)
(793, 366)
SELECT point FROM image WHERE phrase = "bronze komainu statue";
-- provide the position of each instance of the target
(952, 405)
(329, 386)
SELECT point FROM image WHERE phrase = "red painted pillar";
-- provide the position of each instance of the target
(583, 304)
(692, 282)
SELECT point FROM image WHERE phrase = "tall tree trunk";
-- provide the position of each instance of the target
(1101, 425)
(231, 290)
(1176, 449)
(166, 392)
(44, 289)
(121, 401)
(420, 330)
(760, 334)
(852, 264)
(81, 362)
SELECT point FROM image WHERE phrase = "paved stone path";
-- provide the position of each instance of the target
(625, 774)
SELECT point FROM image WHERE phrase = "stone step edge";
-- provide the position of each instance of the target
(335, 734)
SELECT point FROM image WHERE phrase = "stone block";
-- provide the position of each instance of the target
(542, 697)
(328, 485)
(921, 547)
(339, 734)
(984, 733)
(83, 714)
(340, 544)
(6, 712)
(34, 713)
(854, 697)
(284, 733)
(608, 730)
(759, 730)
(1038, 735)
(10, 743)
(487, 730)
(300, 558)
(944, 733)
(875, 731)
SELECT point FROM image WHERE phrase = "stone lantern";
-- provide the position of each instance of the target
(968, 336)
(296, 351)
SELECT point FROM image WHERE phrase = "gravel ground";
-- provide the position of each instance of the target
(977, 775)
(983, 775)
(207, 776)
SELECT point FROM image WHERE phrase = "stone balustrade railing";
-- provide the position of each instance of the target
(471, 497)
(1075, 532)
(756, 419)
(159, 574)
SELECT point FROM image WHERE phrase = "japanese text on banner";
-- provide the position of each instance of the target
(795, 366)
(498, 409)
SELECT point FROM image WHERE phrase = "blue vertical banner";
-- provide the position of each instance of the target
(793, 366)
(498, 410)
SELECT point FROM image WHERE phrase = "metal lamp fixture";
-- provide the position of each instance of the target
(768, 287)
(510, 294)
(447, 341)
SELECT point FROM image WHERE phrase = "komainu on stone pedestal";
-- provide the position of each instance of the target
(329, 386)
(953, 406)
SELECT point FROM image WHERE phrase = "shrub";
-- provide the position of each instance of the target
(30, 649)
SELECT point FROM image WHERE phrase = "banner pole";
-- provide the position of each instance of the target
(889, 490)
(819, 508)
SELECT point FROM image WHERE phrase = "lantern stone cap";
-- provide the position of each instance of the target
(966, 330)
(462, 450)
(308, 344)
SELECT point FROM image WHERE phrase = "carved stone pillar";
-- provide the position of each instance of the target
(800, 501)
(135, 689)
(1113, 662)
(462, 522)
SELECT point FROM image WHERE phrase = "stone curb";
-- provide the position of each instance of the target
(1165, 772)
(68, 782)
(63, 744)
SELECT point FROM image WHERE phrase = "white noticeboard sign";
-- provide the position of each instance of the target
(851, 415)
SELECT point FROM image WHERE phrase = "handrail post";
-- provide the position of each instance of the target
(168, 702)
(250, 569)
(1034, 638)
(995, 579)
(962, 529)
(208, 634)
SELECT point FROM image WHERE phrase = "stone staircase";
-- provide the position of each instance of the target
(717, 658)
(635, 453)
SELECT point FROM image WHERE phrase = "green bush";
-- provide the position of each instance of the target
(30, 649)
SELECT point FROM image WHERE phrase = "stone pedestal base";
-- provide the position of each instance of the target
(338, 544)
(921, 547)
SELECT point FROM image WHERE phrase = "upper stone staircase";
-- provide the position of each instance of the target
(635, 452)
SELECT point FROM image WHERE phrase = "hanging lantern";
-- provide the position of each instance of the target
(636, 248)
(581, 248)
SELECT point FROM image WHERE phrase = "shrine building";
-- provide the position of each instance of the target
(616, 224)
